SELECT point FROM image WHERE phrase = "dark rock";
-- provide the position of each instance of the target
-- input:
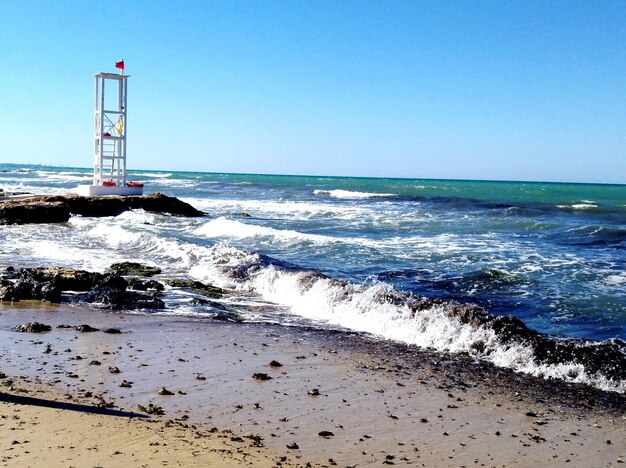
(33, 327)
(114, 370)
(275, 364)
(243, 214)
(48, 284)
(220, 311)
(115, 281)
(143, 302)
(134, 269)
(8, 293)
(196, 286)
(164, 391)
(226, 316)
(257, 440)
(67, 279)
(24, 289)
(116, 299)
(50, 292)
(313, 392)
(139, 285)
(112, 331)
(151, 409)
(293, 446)
(57, 208)
(325, 434)
(198, 301)
(33, 212)
(108, 297)
(261, 376)
(85, 328)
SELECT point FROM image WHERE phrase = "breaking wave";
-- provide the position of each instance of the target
(347, 194)
(372, 307)
(378, 309)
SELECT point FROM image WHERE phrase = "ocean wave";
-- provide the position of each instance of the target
(380, 310)
(63, 176)
(578, 206)
(172, 183)
(374, 307)
(265, 208)
(151, 174)
(349, 194)
(404, 247)
(223, 227)
(33, 189)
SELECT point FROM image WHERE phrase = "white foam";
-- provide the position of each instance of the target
(579, 206)
(281, 209)
(150, 174)
(222, 227)
(359, 308)
(616, 280)
(349, 194)
(63, 176)
(25, 187)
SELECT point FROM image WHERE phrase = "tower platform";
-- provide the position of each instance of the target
(95, 190)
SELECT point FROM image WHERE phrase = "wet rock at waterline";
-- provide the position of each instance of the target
(33, 327)
(108, 290)
(133, 269)
(58, 208)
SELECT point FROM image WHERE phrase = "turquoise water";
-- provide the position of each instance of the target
(553, 254)
(353, 253)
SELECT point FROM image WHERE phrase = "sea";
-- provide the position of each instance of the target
(323, 251)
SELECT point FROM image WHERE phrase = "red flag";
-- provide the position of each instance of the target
(120, 65)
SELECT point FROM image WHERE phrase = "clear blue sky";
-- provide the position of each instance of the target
(524, 90)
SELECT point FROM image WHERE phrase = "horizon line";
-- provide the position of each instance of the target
(452, 179)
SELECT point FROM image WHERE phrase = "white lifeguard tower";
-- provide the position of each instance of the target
(110, 131)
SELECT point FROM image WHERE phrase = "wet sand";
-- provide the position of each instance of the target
(377, 402)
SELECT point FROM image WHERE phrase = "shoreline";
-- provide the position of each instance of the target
(383, 402)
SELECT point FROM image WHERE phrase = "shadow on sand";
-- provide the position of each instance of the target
(26, 400)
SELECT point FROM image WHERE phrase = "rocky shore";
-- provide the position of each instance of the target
(59, 208)
(216, 390)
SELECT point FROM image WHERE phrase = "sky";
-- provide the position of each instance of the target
(502, 90)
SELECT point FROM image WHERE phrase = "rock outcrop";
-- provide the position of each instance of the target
(33, 212)
(108, 290)
(58, 208)
(134, 269)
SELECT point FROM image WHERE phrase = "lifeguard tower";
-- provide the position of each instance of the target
(110, 131)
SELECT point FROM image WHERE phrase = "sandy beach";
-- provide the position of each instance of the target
(261, 395)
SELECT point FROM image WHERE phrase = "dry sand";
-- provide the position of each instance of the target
(381, 403)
